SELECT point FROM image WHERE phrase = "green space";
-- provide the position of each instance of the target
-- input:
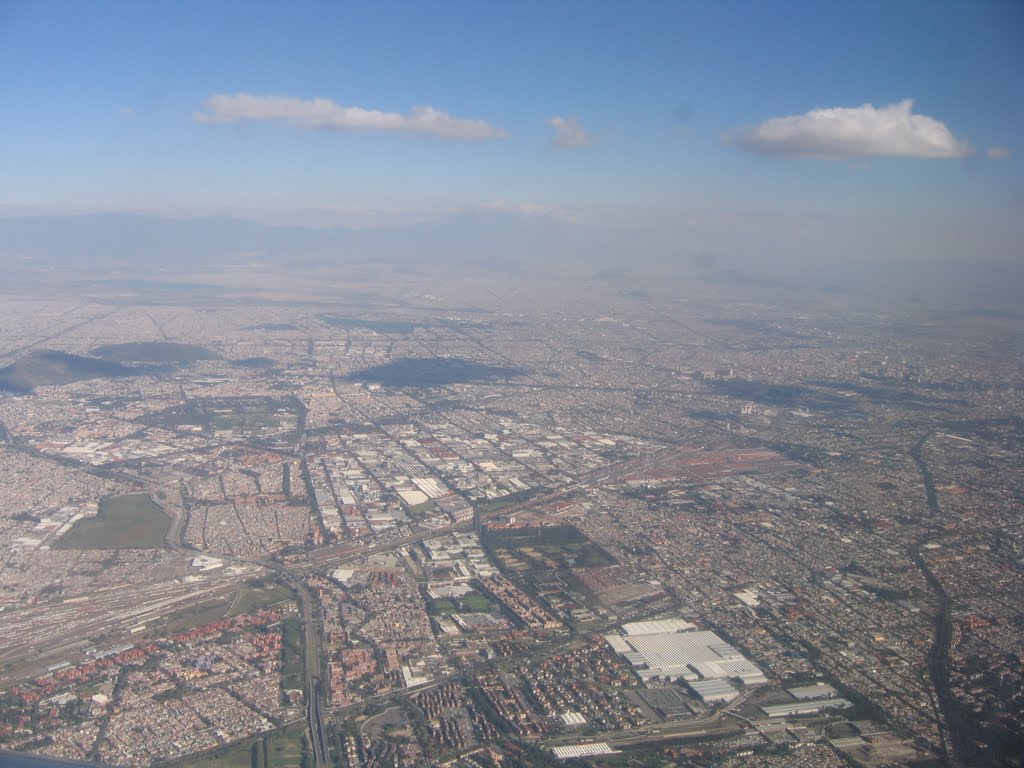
(288, 748)
(292, 645)
(428, 372)
(441, 607)
(254, 362)
(422, 508)
(259, 595)
(124, 522)
(173, 694)
(198, 615)
(283, 748)
(390, 722)
(472, 602)
(243, 415)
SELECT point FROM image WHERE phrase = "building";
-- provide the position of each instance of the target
(714, 691)
(674, 649)
(804, 707)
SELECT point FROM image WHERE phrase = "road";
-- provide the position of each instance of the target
(311, 622)
(129, 611)
(711, 725)
(953, 741)
(293, 575)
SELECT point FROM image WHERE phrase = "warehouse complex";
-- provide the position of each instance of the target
(673, 649)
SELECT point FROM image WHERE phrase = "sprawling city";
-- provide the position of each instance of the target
(459, 384)
(478, 523)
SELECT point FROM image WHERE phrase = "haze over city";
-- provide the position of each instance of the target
(511, 384)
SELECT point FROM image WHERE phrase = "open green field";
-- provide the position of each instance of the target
(244, 415)
(423, 508)
(123, 522)
(194, 616)
(252, 597)
(282, 748)
(292, 654)
(473, 602)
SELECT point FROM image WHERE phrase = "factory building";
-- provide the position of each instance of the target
(714, 691)
(804, 707)
(807, 692)
(583, 750)
(672, 649)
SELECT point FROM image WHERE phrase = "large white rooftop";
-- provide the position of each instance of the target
(656, 627)
(819, 691)
(583, 750)
(714, 690)
(694, 654)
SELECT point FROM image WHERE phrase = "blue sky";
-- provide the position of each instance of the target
(666, 106)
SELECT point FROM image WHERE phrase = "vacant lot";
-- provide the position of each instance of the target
(123, 522)
(283, 748)
(255, 596)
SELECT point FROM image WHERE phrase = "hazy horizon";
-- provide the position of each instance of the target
(804, 134)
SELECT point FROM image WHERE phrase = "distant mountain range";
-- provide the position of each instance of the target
(150, 243)
(638, 254)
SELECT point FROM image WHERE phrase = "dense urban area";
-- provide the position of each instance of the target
(485, 519)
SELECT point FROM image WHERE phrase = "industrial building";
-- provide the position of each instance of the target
(658, 627)
(573, 719)
(807, 692)
(714, 691)
(673, 649)
(583, 750)
(804, 707)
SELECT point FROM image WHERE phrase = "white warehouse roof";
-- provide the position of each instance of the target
(583, 750)
(691, 655)
(657, 627)
(714, 690)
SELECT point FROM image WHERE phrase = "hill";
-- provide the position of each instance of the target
(46, 367)
(154, 352)
(254, 362)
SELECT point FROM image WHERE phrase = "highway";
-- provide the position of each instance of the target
(311, 622)
(122, 609)
(293, 576)
(344, 553)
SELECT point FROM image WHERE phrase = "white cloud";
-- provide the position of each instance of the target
(127, 111)
(999, 153)
(328, 115)
(568, 133)
(849, 132)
